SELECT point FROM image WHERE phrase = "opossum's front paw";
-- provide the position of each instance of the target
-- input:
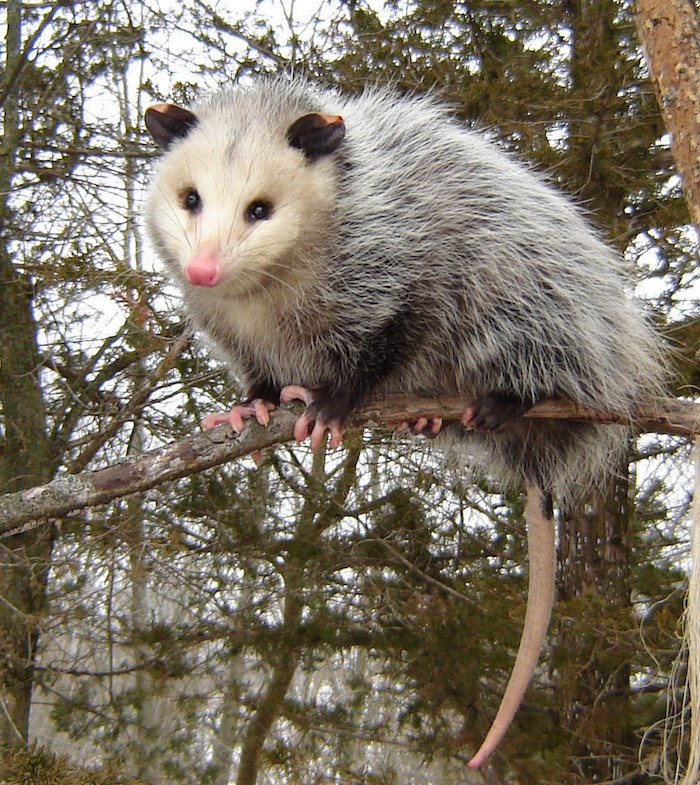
(256, 407)
(494, 412)
(427, 426)
(311, 421)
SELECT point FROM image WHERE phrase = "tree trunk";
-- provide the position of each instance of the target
(24, 458)
(594, 570)
(669, 31)
(594, 593)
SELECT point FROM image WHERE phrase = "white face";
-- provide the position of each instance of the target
(239, 219)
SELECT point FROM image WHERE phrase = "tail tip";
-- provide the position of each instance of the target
(479, 757)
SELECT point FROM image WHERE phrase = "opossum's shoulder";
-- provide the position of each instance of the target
(419, 139)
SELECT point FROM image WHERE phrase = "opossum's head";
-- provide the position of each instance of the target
(236, 207)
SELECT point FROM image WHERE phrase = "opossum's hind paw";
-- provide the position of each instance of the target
(427, 426)
(256, 407)
(494, 412)
(311, 421)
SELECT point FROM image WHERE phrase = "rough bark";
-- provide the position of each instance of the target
(669, 31)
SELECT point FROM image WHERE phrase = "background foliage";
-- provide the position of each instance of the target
(328, 618)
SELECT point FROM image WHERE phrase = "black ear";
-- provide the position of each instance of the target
(167, 122)
(316, 134)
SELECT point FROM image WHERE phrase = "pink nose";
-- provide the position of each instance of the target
(204, 269)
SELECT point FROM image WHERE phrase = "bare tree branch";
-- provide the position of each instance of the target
(70, 492)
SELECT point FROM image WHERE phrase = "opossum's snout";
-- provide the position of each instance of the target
(204, 268)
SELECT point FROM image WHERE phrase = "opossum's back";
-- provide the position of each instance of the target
(520, 292)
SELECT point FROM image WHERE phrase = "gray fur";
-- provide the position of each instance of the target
(416, 257)
(498, 282)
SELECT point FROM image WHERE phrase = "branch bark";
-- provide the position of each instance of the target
(69, 492)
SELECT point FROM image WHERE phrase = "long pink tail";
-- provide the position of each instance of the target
(542, 554)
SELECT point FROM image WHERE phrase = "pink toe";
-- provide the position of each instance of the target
(212, 420)
(262, 411)
(336, 436)
(301, 429)
(318, 435)
(294, 392)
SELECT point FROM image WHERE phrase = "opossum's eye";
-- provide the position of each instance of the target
(191, 200)
(258, 211)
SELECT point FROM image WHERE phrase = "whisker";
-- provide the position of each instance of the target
(173, 212)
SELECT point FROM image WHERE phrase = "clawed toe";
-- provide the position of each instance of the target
(427, 426)
(214, 419)
(256, 408)
(311, 423)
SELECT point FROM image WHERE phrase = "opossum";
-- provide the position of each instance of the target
(336, 247)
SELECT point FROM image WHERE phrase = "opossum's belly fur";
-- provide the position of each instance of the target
(288, 347)
(249, 336)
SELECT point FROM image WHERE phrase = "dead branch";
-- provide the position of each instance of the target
(69, 492)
